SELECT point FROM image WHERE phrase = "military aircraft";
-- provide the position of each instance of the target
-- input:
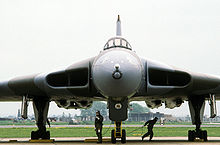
(118, 76)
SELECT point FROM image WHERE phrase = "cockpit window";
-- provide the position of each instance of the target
(117, 42)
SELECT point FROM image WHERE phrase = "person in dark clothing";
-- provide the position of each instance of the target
(98, 126)
(150, 125)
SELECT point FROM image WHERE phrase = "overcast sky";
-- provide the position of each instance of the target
(46, 35)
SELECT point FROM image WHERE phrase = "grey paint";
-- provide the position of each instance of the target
(36, 85)
(130, 67)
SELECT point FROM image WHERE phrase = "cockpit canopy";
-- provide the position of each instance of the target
(117, 42)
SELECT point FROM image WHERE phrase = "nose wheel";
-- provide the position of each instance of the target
(118, 132)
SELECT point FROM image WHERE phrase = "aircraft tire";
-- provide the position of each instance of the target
(46, 135)
(204, 135)
(113, 138)
(191, 135)
(34, 135)
(123, 138)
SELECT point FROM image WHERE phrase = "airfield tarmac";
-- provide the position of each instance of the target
(130, 141)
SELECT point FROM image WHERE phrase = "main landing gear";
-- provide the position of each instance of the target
(41, 106)
(118, 132)
(196, 106)
(197, 133)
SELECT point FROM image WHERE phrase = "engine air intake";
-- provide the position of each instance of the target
(168, 78)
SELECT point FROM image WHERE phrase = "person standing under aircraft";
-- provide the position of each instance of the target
(150, 125)
(98, 126)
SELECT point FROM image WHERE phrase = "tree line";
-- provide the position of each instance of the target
(102, 107)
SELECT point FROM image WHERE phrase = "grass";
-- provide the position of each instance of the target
(28, 122)
(89, 132)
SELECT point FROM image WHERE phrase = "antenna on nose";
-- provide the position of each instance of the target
(118, 29)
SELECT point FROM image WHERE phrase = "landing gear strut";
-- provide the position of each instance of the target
(196, 106)
(41, 106)
(118, 132)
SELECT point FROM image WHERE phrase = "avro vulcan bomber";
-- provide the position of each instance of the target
(118, 76)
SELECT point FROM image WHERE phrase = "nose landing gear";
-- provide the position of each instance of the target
(118, 132)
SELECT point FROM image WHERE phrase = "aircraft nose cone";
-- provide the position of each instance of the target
(117, 73)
